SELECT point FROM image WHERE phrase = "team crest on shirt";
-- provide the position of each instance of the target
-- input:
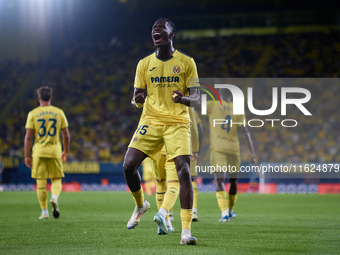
(135, 139)
(176, 70)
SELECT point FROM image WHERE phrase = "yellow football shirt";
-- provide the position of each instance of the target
(161, 78)
(224, 137)
(46, 121)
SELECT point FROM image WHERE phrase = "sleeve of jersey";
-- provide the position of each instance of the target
(29, 122)
(140, 76)
(64, 122)
(192, 75)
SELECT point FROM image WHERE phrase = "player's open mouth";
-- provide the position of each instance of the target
(157, 37)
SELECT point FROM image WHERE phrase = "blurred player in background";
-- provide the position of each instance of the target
(167, 186)
(148, 177)
(225, 149)
(45, 123)
(253, 183)
(196, 132)
(166, 75)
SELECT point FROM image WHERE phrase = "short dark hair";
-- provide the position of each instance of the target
(45, 93)
(173, 27)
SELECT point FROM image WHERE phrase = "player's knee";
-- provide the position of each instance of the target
(184, 174)
(129, 167)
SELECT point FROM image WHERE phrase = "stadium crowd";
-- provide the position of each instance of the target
(93, 84)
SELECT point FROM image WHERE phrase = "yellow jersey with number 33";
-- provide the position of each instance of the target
(46, 121)
(160, 78)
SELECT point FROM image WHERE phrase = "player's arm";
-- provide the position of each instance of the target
(249, 142)
(193, 100)
(66, 143)
(27, 147)
(138, 98)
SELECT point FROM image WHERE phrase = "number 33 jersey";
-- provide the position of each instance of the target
(46, 121)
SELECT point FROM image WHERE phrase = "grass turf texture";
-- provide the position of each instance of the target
(95, 223)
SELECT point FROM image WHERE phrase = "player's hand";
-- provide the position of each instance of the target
(252, 158)
(177, 96)
(194, 156)
(139, 98)
(28, 162)
(64, 156)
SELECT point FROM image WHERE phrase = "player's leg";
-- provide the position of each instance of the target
(194, 174)
(233, 160)
(172, 191)
(221, 196)
(145, 141)
(232, 196)
(161, 188)
(168, 185)
(55, 173)
(56, 190)
(177, 142)
(185, 197)
(133, 159)
(169, 201)
(158, 168)
(194, 203)
(148, 177)
(42, 197)
(39, 172)
(183, 171)
(219, 159)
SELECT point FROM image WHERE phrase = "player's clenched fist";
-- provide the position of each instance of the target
(177, 96)
(139, 98)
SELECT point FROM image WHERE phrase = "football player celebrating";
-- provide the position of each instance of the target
(167, 76)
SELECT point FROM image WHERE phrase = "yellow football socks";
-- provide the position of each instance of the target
(138, 196)
(232, 201)
(186, 217)
(222, 200)
(42, 193)
(161, 187)
(56, 186)
(194, 187)
(171, 195)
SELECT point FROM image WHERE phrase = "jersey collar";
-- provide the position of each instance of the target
(165, 60)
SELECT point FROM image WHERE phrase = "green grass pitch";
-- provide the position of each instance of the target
(95, 223)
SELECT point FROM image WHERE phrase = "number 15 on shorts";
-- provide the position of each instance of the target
(142, 129)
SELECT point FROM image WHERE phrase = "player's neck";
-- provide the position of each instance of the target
(165, 53)
(44, 103)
